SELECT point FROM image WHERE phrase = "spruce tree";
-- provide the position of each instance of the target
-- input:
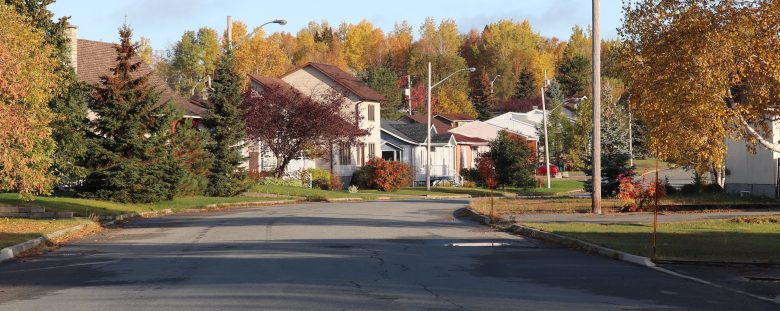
(225, 119)
(130, 157)
(483, 98)
(526, 85)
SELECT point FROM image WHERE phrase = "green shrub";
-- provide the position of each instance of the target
(320, 178)
(281, 182)
(362, 177)
(471, 174)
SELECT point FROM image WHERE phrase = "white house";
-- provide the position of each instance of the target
(754, 174)
(317, 78)
(407, 142)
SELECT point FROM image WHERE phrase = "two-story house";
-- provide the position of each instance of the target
(317, 78)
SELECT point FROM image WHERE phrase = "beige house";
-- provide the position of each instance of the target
(317, 78)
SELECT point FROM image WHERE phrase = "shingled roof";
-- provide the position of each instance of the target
(95, 59)
(413, 132)
(345, 80)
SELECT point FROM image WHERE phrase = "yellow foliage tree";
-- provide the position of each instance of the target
(257, 54)
(26, 85)
(365, 46)
(701, 71)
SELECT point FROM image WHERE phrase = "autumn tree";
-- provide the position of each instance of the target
(280, 117)
(26, 86)
(365, 46)
(69, 128)
(720, 80)
(130, 158)
(192, 61)
(399, 45)
(257, 54)
(225, 121)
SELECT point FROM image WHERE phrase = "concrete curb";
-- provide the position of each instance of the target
(335, 200)
(13, 251)
(604, 251)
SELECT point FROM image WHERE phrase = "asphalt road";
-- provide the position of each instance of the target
(353, 256)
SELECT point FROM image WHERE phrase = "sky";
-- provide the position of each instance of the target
(164, 21)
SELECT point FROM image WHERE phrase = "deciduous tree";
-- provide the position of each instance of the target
(27, 80)
(280, 117)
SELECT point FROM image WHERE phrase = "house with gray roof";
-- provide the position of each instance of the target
(406, 142)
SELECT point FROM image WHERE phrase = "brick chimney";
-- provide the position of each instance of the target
(71, 32)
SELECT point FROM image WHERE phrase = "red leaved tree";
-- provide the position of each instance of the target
(289, 122)
(487, 169)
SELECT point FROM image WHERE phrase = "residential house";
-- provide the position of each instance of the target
(441, 126)
(454, 120)
(315, 79)
(93, 59)
(407, 142)
(752, 174)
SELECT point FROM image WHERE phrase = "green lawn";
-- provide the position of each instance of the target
(87, 207)
(539, 206)
(557, 186)
(754, 240)
(643, 166)
(14, 231)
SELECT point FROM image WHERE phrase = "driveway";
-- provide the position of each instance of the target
(353, 256)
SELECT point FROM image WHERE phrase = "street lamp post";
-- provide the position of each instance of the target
(230, 29)
(596, 176)
(428, 129)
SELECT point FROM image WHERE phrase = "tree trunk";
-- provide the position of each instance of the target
(718, 175)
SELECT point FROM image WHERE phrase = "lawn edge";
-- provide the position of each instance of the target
(13, 251)
(600, 250)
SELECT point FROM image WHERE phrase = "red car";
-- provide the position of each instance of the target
(542, 171)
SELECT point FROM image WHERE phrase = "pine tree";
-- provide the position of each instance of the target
(526, 84)
(69, 102)
(574, 74)
(483, 98)
(190, 148)
(554, 94)
(225, 118)
(131, 158)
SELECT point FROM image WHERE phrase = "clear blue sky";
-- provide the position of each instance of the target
(165, 20)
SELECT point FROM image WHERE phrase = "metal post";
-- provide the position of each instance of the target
(546, 145)
(655, 209)
(596, 177)
(428, 140)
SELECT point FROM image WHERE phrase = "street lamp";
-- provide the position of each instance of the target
(546, 138)
(249, 35)
(493, 81)
(428, 129)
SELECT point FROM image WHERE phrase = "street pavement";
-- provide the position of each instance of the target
(349, 256)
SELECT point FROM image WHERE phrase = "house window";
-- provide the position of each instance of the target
(371, 116)
(371, 151)
(345, 156)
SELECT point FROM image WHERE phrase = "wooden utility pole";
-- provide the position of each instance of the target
(596, 177)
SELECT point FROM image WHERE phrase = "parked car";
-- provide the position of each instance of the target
(542, 171)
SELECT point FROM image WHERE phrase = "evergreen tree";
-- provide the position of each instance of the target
(225, 119)
(554, 94)
(483, 98)
(526, 84)
(615, 154)
(574, 75)
(130, 157)
(70, 128)
(385, 81)
(514, 163)
(190, 150)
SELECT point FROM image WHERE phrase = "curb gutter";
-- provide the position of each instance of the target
(604, 251)
(13, 251)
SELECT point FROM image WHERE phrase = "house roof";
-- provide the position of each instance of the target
(413, 132)
(95, 59)
(345, 80)
(269, 81)
(463, 139)
(452, 117)
(440, 126)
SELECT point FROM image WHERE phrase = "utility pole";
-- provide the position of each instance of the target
(546, 139)
(409, 90)
(596, 177)
(428, 140)
(630, 138)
